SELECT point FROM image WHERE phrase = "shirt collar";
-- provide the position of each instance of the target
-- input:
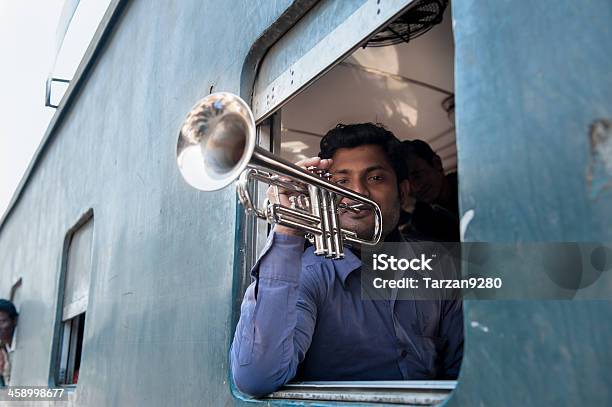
(351, 262)
(347, 265)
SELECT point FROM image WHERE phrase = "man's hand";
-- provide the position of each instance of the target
(280, 195)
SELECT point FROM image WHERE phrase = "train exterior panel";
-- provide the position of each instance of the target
(167, 262)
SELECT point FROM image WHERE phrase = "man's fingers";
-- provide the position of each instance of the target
(326, 163)
(309, 162)
(322, 163)
(276, 194)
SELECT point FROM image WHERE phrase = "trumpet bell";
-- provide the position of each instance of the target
(216, 141)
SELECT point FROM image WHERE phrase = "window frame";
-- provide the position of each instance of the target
(267, 99)
(417, 392)
(271, 89)
(71, 330)
(16, 288)
(60, 339)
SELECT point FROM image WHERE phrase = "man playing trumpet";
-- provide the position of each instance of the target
(303, 316)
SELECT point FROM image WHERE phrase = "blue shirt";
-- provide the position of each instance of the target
(303, 318)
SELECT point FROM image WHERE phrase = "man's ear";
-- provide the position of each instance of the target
(437, 163)
(404, 195)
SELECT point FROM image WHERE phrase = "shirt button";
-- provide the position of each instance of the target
(404, 353)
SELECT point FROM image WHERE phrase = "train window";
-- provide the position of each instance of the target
(15, 298)
(72, 302)
(71, 346)
(255, 231)
(402, 76)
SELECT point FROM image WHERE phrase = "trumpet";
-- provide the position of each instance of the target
(217, 146)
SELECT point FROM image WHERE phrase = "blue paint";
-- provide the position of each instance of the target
(531, 78)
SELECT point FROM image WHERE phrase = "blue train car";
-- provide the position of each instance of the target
(129, 281)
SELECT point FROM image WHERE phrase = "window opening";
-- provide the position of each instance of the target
(72, 345)
(73, 301)
(408, 86)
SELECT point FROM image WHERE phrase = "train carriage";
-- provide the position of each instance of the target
(129, 281)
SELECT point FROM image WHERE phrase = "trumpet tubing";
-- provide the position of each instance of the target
(216, 146)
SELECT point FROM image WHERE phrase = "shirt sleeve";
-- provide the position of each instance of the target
(277, 319)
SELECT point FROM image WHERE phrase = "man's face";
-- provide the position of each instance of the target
(425, 180)
(366, 170)
(7, 326)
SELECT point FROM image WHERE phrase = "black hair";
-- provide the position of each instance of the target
(355, 135)
(419, 148)
(9, 308)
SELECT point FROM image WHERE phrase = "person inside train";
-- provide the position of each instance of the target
(8, 322)
(303, 317)
(435, 214)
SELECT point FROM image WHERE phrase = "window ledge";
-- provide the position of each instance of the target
(422, 393)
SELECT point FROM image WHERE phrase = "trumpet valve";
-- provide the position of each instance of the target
(319, 171)
(292, 200)
(303, 202)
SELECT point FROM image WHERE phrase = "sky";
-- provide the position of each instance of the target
(27, 48)
(28, 56)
